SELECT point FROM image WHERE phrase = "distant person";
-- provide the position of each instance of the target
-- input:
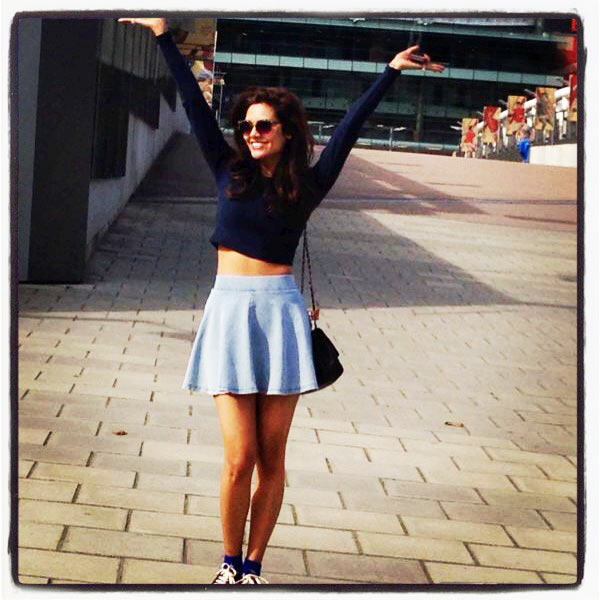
(524, 144)
(253, 349)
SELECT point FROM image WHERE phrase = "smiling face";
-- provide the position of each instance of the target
(265, 147)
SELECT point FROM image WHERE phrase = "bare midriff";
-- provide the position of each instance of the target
(230, 262)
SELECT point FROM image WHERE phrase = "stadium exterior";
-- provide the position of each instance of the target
(330, 62)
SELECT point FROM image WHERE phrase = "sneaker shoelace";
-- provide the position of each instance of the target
(252, 578)
(226, 574)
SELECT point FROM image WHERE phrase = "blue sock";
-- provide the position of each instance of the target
(251, 566)
(235, 562)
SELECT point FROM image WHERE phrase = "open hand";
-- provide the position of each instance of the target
(158, 26)
(402, 61)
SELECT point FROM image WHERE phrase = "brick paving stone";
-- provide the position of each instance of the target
(561, 521)
(377, 468)
(41, 511)
(540, 458)
(468, 479)
(41, 409)
(155, 572)
(205, 470)
(32, 436)
(414, 459)
(535, 560)
(473, 440)
(526, 500)
(39, 535)
(546, 486)
(527, 537)
(65, 565)
(448, 573)
(174, 484)
(58, 424)
(169, 524)
(478, 465)
(443, 448)
(24, 467)
(313, 538)
(369, 569)
(105, 414)
(558, 579)
(28, 580)
(355, 520)
(360, 440)
(430, 491)
(130, 498)
(500, 515)
(138, 463)
(386, 504)
(142, 432)
(311, 497)
(121, 444)
(456, 530)
(330, 481)
(411, 547)
(84, 474)
(155, 449)
(53, 454)
(87, 540)
(37, 489)
(379, 430)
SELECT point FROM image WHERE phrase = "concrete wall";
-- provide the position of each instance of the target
(559, 155)
(109, 196)
(28, 57)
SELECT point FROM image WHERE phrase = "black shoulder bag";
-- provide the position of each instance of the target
(325, 356)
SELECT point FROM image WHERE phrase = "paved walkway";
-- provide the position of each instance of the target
(446, 453)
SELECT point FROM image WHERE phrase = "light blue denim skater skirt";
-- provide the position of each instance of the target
(254, 337)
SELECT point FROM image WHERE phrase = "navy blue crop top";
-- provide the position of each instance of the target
(245, 225)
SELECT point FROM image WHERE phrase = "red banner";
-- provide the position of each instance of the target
(491, 124)
(468, 140)
(516, 114)
(572, 114)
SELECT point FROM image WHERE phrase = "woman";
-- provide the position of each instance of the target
(252, 351)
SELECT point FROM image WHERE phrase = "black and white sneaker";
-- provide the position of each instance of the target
(252, 578)
(226, 574)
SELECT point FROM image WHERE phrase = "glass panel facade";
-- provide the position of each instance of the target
(328, 63)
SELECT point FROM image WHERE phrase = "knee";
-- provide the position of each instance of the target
(271, 462)
(239, 466)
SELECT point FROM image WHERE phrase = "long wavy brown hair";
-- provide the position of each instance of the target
(291, 186)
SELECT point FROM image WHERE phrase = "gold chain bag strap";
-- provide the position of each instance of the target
(325, 355)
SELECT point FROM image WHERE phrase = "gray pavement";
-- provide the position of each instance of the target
(446, 453)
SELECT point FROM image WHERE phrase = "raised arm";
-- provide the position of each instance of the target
(334, 155)
(204, 125)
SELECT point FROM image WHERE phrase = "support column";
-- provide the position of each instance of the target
(63, 149)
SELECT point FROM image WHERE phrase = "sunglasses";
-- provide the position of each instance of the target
(262, 126)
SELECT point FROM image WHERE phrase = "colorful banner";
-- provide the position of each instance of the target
(196, 39)
(544, 108)
(515, 119)
(572, 114)
(468, 141)
(491, 124)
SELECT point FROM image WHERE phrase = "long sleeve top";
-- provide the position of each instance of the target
(246, 225)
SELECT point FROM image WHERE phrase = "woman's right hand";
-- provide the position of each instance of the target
(158, 26)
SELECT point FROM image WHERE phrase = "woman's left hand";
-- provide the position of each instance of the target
(402, 61)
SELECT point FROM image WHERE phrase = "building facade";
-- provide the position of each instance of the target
(330, 62)
(94, 105)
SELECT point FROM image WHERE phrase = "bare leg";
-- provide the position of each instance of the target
(237, 417)
(273, 419)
